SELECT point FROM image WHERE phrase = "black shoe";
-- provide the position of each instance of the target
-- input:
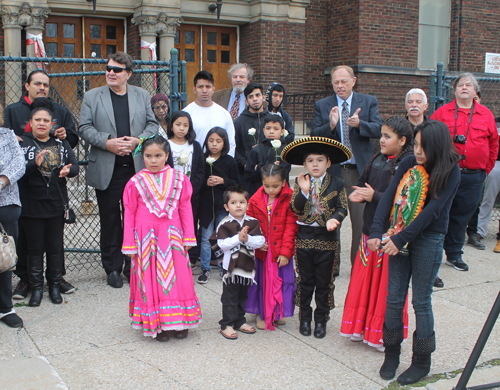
(67, 288)
(12, 320)
(392, 343)
(55, 294)
(115, 280)
(457, 264)
(203, 278)
(438, 282)
(36, 296)
(21, 290)
(320, 330)
(181, 334)
(475, 243)
(305, 328)
(420, 361)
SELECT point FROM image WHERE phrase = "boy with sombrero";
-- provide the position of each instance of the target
(320, 202)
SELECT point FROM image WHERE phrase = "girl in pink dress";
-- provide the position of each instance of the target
(158, 232)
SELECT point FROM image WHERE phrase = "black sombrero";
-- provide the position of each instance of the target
(295, 151)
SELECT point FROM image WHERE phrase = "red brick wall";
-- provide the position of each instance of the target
(479, 34)
(276, 51)
(388, 33)
(133, 40)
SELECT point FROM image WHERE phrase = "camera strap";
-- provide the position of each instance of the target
(470, 120)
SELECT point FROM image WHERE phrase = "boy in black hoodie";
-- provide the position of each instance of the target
(267, 152)
(275, 97)
(248, 127)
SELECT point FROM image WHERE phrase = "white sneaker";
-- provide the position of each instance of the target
(357, 338)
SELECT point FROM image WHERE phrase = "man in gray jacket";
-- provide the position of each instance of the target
(112, 119)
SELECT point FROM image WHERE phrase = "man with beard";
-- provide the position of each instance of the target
(276, 97)
(232, 99)
(248, 127)
(416, 105)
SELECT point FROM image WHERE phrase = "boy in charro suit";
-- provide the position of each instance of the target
(320, 202)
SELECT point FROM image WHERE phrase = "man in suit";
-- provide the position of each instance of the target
(112, 119)
(351, 118)
(233, 99)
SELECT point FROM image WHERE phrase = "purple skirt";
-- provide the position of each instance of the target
(255, 302)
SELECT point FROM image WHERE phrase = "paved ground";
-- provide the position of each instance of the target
(87, 342)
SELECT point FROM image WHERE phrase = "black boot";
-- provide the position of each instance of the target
(420, 361)
(54, 277)
(392, 344)
(35, 276)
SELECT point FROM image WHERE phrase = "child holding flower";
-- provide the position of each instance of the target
(186, 156)
(221, 172)
(266, 152)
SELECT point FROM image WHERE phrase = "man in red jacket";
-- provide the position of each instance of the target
(474, 133)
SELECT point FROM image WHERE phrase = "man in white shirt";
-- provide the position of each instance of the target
(233, 98)
(207, 114)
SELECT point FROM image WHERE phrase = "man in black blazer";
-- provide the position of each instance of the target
(351, 118)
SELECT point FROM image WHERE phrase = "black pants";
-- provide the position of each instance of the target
(234, 297)
(316, 257)
(22, 257)
(462, 208)
(111, 216)
(9, 216)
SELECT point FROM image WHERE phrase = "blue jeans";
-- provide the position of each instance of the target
(206, 248)
(422, 266)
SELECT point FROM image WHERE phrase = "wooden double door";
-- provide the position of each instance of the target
(210, 48)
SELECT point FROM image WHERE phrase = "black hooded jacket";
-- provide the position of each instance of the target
(17, 115)
(286, 117)
(244, 141)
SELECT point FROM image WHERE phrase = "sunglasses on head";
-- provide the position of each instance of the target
(115, 69)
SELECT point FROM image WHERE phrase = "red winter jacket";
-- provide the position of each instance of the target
(283, 223)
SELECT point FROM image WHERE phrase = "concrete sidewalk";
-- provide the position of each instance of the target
(87, 342)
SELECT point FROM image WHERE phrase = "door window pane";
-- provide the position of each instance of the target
(95, 31)
(68, 30)
(51, 49)
(212, 56)
(95, 49)
(225, 39)
(189, 55)
(110, 49)
(189, 37)
(224, 56)
(51, 30)
(110, 32)
(212, 38)
(69, 50)
(177, 38)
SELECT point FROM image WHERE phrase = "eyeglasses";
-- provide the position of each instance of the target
(115, 69)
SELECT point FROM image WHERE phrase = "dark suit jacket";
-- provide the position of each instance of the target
(370, 124)
(222, 97)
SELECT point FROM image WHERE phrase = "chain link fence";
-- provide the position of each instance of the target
(70, 78)
(441, 92)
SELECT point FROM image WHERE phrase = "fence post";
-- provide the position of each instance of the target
(183, 81)
(439, 85)
(174, 80)
(432, 94)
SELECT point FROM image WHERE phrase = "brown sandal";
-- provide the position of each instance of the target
(232, 336)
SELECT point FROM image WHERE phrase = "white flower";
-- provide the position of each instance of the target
(210, 160)
(252, 131)
(285, 133)
(276, 143)
(183, 158)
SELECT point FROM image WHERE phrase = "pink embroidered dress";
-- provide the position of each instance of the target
(158, 224)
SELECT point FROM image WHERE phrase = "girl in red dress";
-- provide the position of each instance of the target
(365, 302)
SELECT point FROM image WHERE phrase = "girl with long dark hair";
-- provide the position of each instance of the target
(423, 238)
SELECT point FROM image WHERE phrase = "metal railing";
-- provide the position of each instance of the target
(301, 109)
